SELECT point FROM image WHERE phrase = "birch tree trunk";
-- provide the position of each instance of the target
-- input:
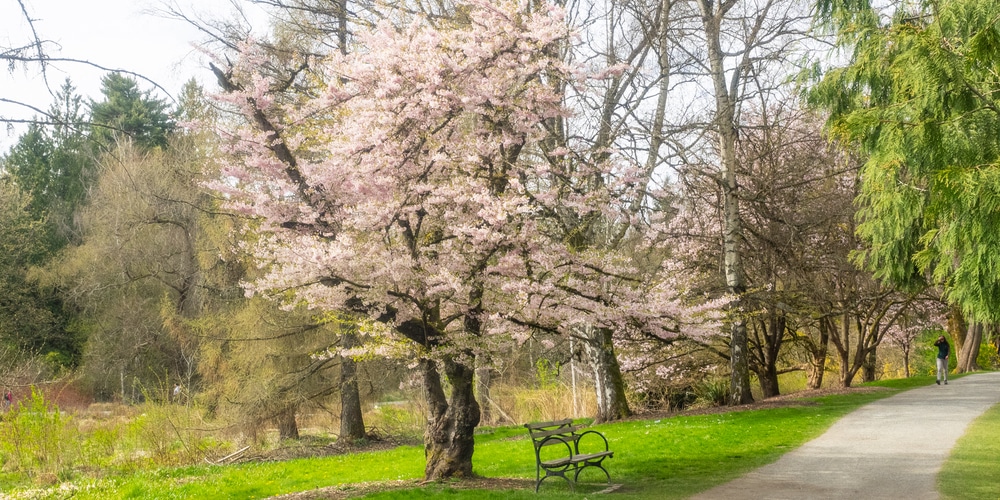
(725, 125)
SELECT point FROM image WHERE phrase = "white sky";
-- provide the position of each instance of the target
(121, 34)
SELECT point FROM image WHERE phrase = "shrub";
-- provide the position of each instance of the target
(712, 391)
(39, 441)
(988, 356)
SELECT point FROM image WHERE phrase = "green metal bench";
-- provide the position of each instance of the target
(558, 450)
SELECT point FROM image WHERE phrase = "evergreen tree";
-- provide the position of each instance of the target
(921, 96)
(127, 111)
(31, 316)
(53, 165)
(45, 177)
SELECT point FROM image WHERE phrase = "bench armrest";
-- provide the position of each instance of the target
(584, 433)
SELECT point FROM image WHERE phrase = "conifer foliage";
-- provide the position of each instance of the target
(920, 96)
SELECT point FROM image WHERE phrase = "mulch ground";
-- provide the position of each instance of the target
(361, 489)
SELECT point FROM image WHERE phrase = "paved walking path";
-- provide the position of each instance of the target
(890, 449)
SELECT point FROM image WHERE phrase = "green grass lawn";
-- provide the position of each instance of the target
(660, 458)
(972, 471)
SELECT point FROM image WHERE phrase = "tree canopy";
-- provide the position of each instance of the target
(919, 96)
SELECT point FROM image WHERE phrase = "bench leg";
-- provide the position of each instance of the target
(561, 474)
(576, 477)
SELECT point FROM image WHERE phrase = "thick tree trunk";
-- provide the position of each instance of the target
(448, 438)
(969, 353)
(768, 377)
(843, 344)
(966, 338)
(769, 333)
(288, 428)
(957, 329)
(846, 377)
(608, 381)
(816, 370)
(352, 422)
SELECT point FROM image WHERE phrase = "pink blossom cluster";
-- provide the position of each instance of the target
(416, 186)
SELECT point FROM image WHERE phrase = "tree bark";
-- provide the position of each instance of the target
(288, 428)
(969, 353)
(608, 381)
(869, 368)
(906, 359)
(963, 334)
(769, 333)
(448, 438)
(732, 232)
(352, 422)
(818, 353)
(484, 380)
(842, 343)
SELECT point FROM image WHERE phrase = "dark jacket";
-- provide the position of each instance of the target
(943, 348)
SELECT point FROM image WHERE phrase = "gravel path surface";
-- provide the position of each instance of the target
(889, 449)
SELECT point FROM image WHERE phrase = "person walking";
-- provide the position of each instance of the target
(942, 359)
(8, 399)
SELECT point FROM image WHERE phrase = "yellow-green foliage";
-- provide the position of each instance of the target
(989, 358)
(550, 402)
(398, 419)
(41, 443)
(37, 440)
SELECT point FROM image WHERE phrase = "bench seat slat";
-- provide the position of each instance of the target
(576, 459)
(592, 456)
(556, 463)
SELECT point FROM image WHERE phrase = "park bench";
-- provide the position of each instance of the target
(558, 450)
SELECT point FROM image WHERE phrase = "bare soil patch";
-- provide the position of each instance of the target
(308, 447)
(360, 489)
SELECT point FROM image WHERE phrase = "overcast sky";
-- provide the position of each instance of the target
(121, 34)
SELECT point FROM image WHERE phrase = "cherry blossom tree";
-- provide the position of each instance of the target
(410, 187)
(928, 314)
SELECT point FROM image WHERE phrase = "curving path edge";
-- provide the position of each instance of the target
(890, 449)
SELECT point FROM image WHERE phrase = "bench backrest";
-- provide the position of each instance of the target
(565, 429)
